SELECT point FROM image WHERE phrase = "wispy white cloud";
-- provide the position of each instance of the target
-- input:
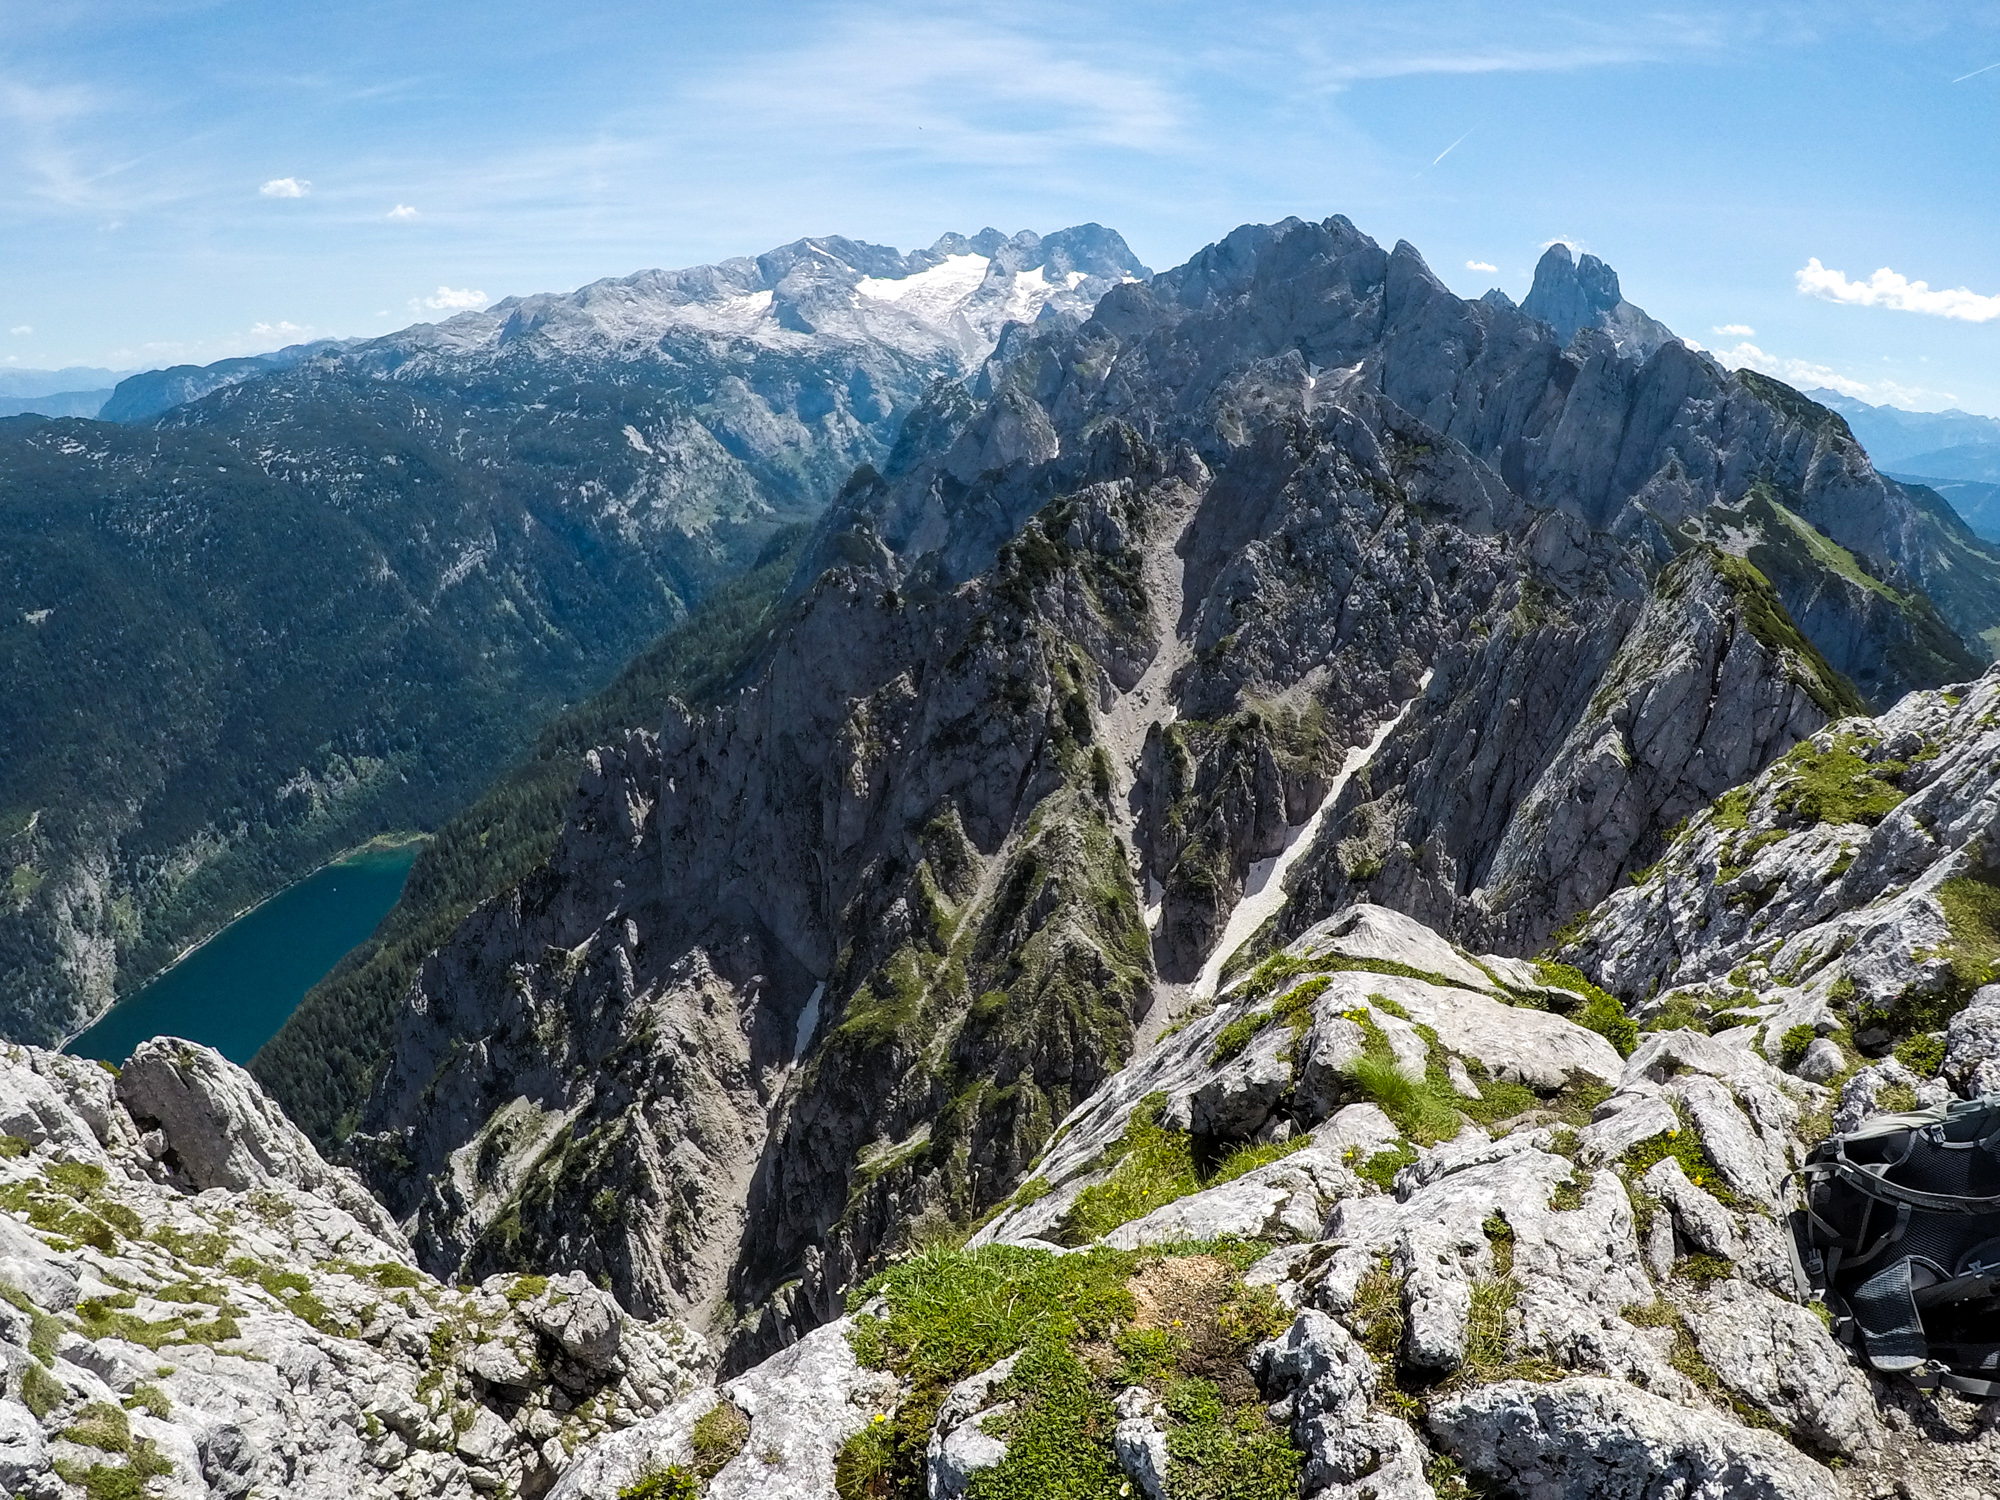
(445, 298)
(1460, 40)
(21, 330)
(290, 332)
(1735, 330)
(286, 187)
(1808, 374)
(1480, 265)
(952, 88)
(1887, 288)
(402, 211)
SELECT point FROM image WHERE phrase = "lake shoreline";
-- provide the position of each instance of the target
(381, 843)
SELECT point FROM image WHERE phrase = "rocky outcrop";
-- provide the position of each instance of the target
(210, 1126)
(797, 1408)
(1603, 1438)
(197, 1305)
(1845, 893)
(1586, 1292)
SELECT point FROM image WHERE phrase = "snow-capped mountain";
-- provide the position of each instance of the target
(949, 301)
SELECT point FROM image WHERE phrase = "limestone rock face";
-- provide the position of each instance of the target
(176, 1253)
(1580, 1293)
(801, 1404)
(1286, 584)
(1574, 292)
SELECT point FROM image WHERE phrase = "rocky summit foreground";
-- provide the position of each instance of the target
(1302, 863)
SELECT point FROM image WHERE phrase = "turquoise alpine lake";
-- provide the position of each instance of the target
(235, 990)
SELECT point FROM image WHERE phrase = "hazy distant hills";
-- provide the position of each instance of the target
(75, 391)
(23, 383)
(297, 599)
(1953, 452)
(56, 404)
(1946, 444)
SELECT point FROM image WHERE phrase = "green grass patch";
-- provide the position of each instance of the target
(1922, 1055)
(150, 1399)
(718, 1436)
(1382, 1167)
(103, 1426)
(1681, 1013)
(1217, 1454)
(41, 1392)
(1155, 1165)
(1077, 1324)
(1377, 1314)
(1684, 1146)
(1704, 1270)
(1795, 1043)
(670, 1482)
(1838, 784)
(1601, 1011)
(1971, 906)
(1765, 614)
(45, 1330)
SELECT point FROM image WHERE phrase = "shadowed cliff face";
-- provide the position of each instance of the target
(819, 973)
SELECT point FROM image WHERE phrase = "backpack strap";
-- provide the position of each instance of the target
(1885, 1309)
(1870, 1185)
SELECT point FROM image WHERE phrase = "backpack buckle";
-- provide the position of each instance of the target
(1928, 1375)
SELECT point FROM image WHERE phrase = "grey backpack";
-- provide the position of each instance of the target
(1900, 1236)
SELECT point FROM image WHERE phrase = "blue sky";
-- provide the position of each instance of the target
(185, 181)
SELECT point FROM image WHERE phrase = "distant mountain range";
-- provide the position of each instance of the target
(25, 383)
(76, 391)
(293, 600)
(1953, 452)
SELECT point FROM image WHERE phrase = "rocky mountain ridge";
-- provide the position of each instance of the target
(816, 974)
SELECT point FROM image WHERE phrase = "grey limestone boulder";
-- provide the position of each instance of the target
(1286, 1200)
(586, 1322)
(1364, 930)
(962, 1442)
(1862, 1096)
(1972, 1044)
(1779, 1355)
(1140, 1444)
(1592, 1439)
(1701, 1222)
(1326, 1383)
(224, 1132)
(1823, 1062)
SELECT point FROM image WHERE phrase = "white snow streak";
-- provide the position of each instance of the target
(1264, 889)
